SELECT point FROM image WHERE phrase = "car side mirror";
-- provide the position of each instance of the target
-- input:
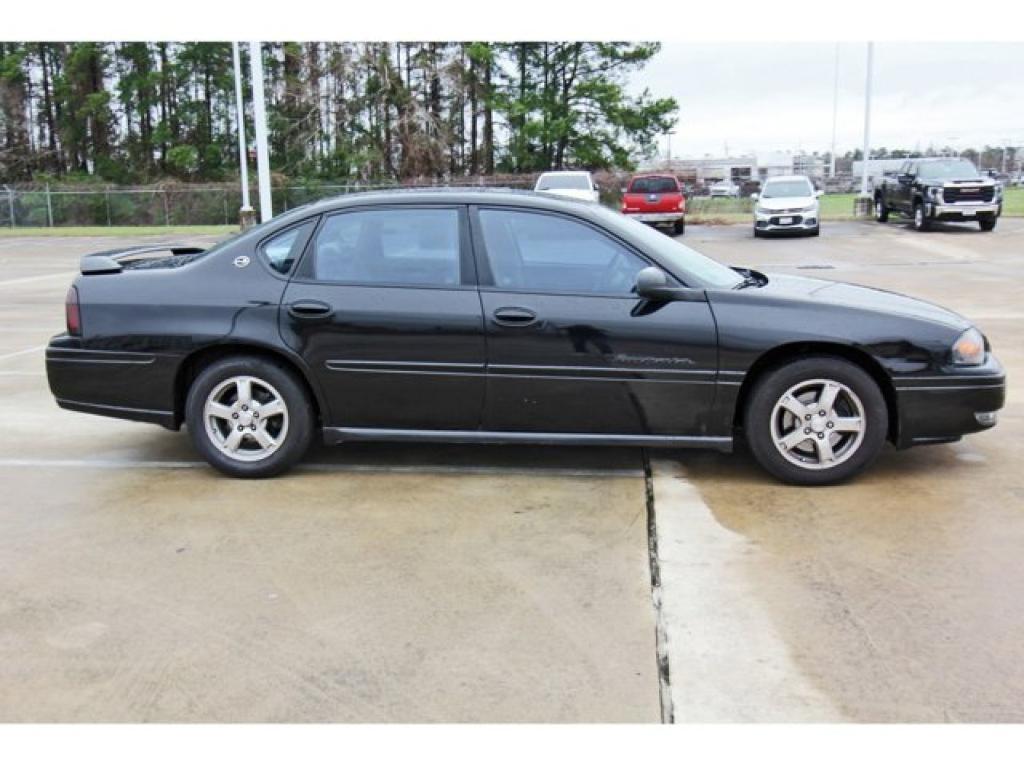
(654, 284)
(818, 193)
(755, 196)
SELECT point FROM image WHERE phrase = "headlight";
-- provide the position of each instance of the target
(969, 348)
(935, 192)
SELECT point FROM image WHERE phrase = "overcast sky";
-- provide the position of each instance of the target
(778, 96)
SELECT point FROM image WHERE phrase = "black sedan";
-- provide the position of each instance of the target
(505, 317)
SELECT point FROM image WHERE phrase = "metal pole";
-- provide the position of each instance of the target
(106, 199)
(246, 213)
(864, 191)
(10, 203)
(49, 207)
(260, 120)
(835, 113)
(167, 211)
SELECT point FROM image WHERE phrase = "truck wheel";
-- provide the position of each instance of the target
(817, 420)
(881, 211)
(679, 227)
(987, 223)
(921, 222)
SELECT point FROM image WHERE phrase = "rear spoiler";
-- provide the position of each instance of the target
(109, 261)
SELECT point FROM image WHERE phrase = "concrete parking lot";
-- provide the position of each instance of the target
(397, 583)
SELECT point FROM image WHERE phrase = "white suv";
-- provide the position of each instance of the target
(787, 203)
(577, 184)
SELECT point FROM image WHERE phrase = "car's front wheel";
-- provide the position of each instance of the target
(816, 421)
(987, 223)
(921, 222)
(249, 417)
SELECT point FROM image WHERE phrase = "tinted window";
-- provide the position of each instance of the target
(653, 186)
(533, 251)
(282, 250)
(398, 247)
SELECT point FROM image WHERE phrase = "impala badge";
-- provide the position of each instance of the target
(242, 261)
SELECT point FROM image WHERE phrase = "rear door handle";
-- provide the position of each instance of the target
(514, 316)
(310, 310)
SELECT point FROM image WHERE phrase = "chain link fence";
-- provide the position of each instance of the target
(180, 204)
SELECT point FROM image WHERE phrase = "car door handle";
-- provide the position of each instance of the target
(310, 310)
(514, 316)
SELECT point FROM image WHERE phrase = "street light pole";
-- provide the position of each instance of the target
(864, 191)
(259, 112)
(835, 112)
(246, 214)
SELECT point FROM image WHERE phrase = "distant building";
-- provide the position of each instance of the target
(707, 170)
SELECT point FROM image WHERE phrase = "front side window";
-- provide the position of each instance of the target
(282, 251)
(417, 247)
(548, 253)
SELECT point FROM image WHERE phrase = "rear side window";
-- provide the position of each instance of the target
(547, 253)
(389, 247)
(653, 186)
(283, 250)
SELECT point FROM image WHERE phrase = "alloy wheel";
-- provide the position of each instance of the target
(246, 418)
(818, 424)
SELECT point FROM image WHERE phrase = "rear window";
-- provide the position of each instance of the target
(546, 182)
(653, 186)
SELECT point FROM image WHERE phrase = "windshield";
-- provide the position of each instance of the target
(697, 269)
(776, 189)
(653, 186)
(574, 181)
(947, 169)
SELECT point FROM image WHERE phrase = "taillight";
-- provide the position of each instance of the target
(72, 312)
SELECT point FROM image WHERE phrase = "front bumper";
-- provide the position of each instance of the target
(778, 221)
(657, 217)
(942, 408)
(961, 211)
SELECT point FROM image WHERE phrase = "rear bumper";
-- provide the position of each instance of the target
(658, 217)
(944, 408)
(121, 384)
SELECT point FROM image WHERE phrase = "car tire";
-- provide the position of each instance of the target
(881, 211)
(920, 220)
(987, 223)
(782, 408)
(679, 227)
(225, 400)
(758, 233)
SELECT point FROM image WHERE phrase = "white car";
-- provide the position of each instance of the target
(787, 203)
(724, 189)
(576, 184)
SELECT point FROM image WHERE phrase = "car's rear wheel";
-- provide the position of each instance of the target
(921, 222)
(987, 223)
(881, 211)
(249, 417)
(679, 227)
(816, 421)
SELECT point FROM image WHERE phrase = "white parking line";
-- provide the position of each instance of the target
(482, 470)
(727, 659)
(68, 275)
(23, 352)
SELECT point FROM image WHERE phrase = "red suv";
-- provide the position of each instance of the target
(656, 199)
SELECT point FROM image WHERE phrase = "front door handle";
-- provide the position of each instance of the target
(514, 316)
(310, 310)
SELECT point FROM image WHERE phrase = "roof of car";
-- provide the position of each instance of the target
(665, 174)
(453, 195)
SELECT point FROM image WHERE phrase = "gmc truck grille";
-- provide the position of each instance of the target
(968, 193)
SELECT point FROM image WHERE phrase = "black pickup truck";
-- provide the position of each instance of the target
(939, 189)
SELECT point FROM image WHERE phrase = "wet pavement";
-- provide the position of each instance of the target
(401, 583)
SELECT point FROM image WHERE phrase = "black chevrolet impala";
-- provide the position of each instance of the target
(505, 317)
